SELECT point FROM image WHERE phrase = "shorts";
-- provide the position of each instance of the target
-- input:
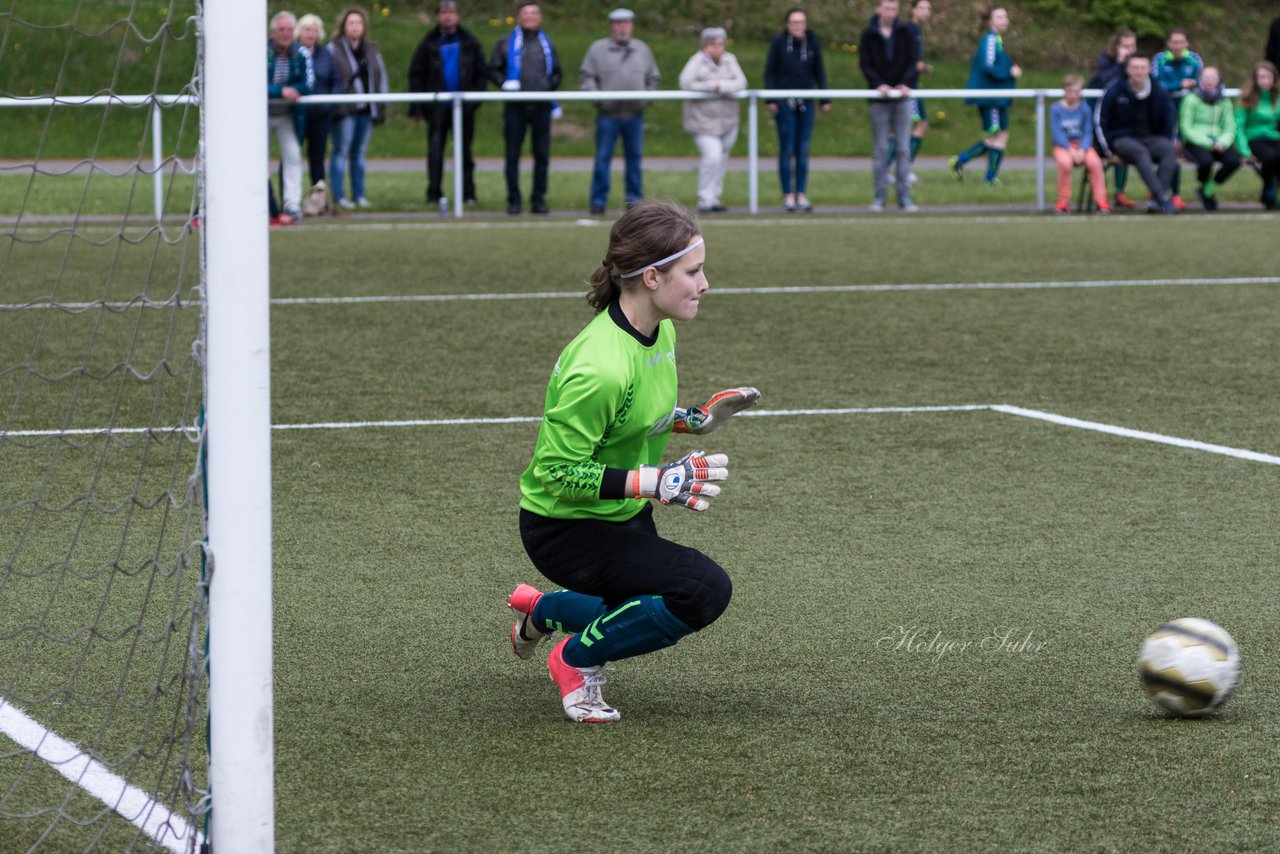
(994, 119)
(918, 112)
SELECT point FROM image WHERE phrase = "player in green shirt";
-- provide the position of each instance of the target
(586, 518)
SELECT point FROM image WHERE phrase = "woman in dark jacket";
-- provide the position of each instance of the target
(359, 70)
(795, 62)
(319, 116)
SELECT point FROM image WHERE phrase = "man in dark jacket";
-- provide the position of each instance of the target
(525, 60)
(1136, 122)
(448, 59)
(887, 54)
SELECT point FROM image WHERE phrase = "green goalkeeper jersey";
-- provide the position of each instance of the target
(610, 405)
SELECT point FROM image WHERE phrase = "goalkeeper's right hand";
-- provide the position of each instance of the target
(686, 482)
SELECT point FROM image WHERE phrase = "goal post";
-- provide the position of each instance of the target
(238, 425)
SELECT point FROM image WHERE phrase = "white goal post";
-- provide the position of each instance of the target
(233, 116)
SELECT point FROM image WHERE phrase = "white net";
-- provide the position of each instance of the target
(102, 615)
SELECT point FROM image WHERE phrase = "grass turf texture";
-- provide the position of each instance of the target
(796, 722)
(403, 192)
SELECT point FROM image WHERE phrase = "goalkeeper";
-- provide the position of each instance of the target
(586, 514)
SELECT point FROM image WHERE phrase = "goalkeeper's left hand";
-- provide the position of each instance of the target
(716, 410)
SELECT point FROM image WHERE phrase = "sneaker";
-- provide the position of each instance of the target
(284, 220)
(1123, 201)
(525, 637)
(597, 210)
(877, 206)
(803, 204)
(913, 178)
(346, 204)
(910, 207)
(1104, 210)
(580, 689)
(956, 167)
(1178, 203)
(995, 183)
(363, 202)
(1063, 209)
(1210, 202)
(789, 203)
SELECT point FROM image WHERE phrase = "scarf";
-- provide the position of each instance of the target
(515, 53)
(357, 84)
(1209, 96)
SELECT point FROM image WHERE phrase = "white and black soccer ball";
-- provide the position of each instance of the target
(1189, 666)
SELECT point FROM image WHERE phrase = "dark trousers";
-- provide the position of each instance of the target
(1204, 158)
(439, 126)
(516, 119)
(316, 140)
(1268, 154)
(1155, 158)
(618, 561)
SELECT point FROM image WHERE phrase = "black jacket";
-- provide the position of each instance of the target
(426, 69)
(795, 63)
(1273, 43)
(1116, 115)
(877, 66)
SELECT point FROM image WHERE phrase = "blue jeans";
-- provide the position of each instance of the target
(607, 132)
(350, 141)
(795, 130)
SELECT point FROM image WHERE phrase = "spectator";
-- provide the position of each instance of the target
(1136, 122)
(526, 61)
(795, 62)
(991, 68)
(448, 59)
(1207, 123)
(1110, 69)
(289, 77)
(618, 63)
(712, 123)
(319, 116)
(1071, 124)
(1178, 70)
(1257, 135)
(360, 71)
(887, 55)
(921, 11)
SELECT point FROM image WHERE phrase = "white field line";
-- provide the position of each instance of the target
(801, 289)
(1063, 420)
(44, 305)
(69, 760)
(1143, 435)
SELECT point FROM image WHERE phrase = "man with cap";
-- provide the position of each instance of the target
(618, 63)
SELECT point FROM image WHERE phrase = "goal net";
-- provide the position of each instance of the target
(102, 561)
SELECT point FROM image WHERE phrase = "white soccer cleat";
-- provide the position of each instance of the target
(580, 690)
(525, 637)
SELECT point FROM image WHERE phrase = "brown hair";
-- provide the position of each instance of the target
(340, 31)
(649, 231)
(984, 15)
(1113, 50)
(1072, 80)
(1250, 94)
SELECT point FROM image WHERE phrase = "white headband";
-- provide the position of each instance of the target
(685, 251)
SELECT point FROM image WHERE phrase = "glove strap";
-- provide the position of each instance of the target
(644, 482)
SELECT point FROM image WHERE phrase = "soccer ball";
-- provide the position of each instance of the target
(1189, 666)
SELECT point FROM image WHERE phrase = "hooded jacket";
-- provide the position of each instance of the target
(795, 63)
(888, 61)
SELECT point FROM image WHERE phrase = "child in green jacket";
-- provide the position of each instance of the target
(1207, 124)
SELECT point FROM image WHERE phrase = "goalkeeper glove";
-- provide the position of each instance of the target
(687, 481)
(713, 412)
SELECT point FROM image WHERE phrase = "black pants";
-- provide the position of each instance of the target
(536, 118)
(1155, 158)
(619, 561)
(1268, 153)
(1204, 158)
(439, 126)
(316, 140)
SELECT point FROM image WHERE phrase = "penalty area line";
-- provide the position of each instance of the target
(68, 759)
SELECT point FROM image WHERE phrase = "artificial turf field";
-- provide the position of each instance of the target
(937, 613)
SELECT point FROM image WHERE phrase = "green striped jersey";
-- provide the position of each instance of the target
(610, 404)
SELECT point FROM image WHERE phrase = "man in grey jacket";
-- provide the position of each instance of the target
(618, 63)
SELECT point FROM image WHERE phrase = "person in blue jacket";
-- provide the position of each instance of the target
(991, 69)
(319, 119)
(1177, 70)
(290, 76)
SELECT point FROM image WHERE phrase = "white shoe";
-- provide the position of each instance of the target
(910, 207)
(346, 204)
(364, 203)
(877, 206)
(913, 178)
(580, 690)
